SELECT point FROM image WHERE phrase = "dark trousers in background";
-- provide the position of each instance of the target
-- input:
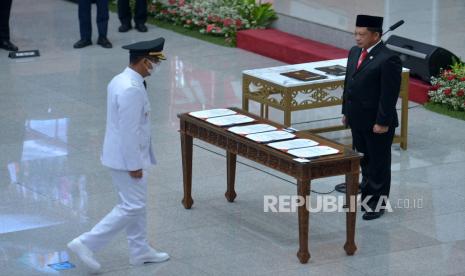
(125, 15)
(5, 8)
(85, 24)
(375, 164)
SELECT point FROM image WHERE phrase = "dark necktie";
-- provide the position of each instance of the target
(145, 85)
(362, 57)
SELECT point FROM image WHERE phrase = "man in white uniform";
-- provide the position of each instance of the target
(127, 151)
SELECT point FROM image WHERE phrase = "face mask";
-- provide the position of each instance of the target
(150, 71)
(155, 68)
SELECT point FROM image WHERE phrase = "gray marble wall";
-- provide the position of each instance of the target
(436, 22)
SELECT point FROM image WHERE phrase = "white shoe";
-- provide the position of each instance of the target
(153, 256)
(84, 253)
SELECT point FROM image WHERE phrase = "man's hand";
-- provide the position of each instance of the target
(136, 174)
(379, 129)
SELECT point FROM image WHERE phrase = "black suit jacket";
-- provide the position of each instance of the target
(371, 92)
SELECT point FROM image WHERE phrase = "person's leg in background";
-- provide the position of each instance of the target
(5, 10)
(124, 15)
(102, 23)
(85, 25)
(140, 15)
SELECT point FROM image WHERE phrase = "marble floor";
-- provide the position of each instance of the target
(53, 188)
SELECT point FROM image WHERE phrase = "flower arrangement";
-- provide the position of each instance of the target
(449, 87)
(215, 17)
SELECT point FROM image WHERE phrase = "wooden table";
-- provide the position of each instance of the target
(267, 87)
(344, 163)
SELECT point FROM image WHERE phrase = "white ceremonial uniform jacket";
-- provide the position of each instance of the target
(127, 145)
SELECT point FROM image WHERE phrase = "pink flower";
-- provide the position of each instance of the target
(188, 21)
(435, 87)
(210, 28)
(460, 93)
(181, 3)
(228, 22)
(238, 23)
(447, 91)
(462, 79)
(172, 2)
(451, 77)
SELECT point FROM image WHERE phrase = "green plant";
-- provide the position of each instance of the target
(263, 15)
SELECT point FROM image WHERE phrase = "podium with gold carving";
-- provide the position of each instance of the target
(269, 88)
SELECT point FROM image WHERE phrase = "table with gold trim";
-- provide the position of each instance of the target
(346, 162)
(269, 88)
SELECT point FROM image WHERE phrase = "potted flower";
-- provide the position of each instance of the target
(448, 88)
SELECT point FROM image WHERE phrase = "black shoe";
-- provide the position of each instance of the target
(373, 215)
(124, 28)
(104, 42)
(342, 188)
(7, 45)
(141, 28)
(82, 43)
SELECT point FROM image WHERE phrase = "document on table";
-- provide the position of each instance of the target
(335, 70)
(293, 144)
(311, 152)
(210, 113)
(249, 129)
(270, 136)
(230, 120)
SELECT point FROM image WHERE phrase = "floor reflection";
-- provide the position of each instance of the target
(195, 87)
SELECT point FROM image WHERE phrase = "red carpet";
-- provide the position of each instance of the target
(295, 49)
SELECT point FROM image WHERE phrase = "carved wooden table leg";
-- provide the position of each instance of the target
(303, 190)
(231, 176)
(186, 151)
(351, 200)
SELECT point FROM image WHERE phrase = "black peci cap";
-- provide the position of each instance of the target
(151, 48)
(369, 21)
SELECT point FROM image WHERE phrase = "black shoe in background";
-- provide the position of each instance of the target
(104, 42)
(82, 43)
(7, 45)
(141, 28)
(373, 215)
(124, 28)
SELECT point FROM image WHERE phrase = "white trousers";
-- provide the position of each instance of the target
(129, 214)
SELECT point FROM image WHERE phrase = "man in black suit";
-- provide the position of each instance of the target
(140, 15)
(371, 89)
(5, 9)
(85, 24)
